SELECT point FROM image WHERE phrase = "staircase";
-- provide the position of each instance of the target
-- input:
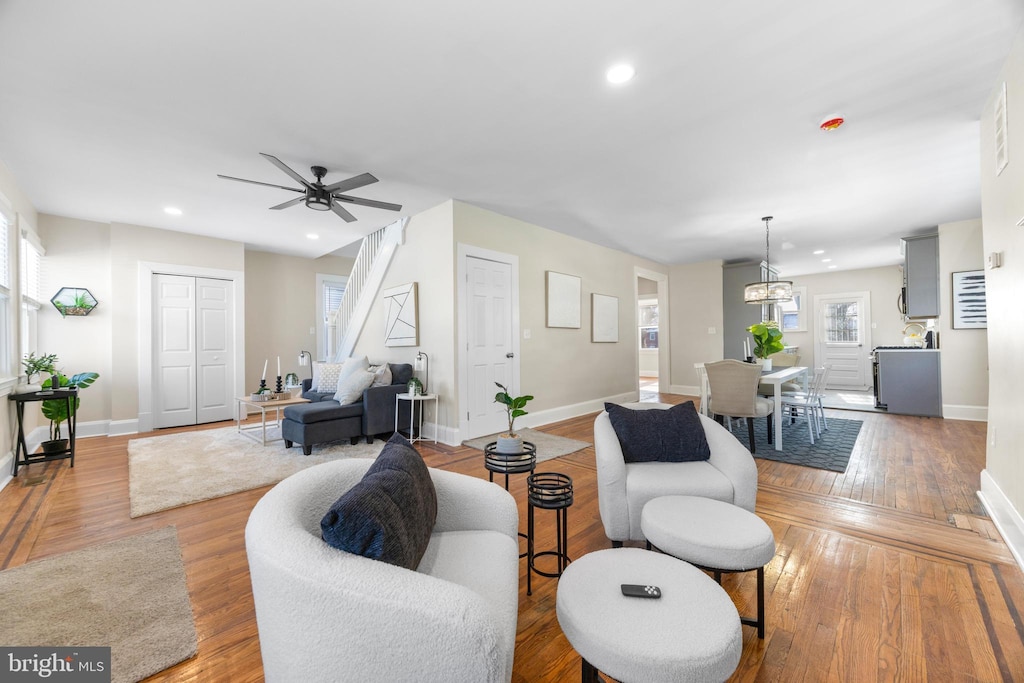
(372, 262)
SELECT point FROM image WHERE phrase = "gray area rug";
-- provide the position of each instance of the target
(830, 452)
(129, 595)
(178, 469)
(548, 445)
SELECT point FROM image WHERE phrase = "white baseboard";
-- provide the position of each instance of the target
(958, 412)
(6, 465)
(1006, 518)
(684, 390)
(121, 427)
(550, 415)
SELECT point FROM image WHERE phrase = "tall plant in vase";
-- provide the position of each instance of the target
(510, 442)
(56, 409)
(767, 340)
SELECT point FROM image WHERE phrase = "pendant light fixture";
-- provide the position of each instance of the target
(769, 291)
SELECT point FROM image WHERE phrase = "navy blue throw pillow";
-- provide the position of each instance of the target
(657, 435)
(390, 513)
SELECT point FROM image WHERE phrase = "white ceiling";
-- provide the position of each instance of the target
(111, 110)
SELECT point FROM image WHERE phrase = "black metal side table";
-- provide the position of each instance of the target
(548, 491)
(509, 463)
(21, 454)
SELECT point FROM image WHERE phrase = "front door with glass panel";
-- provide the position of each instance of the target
(843, 330)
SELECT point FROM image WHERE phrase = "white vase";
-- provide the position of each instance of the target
(765, 363)
(509, 445)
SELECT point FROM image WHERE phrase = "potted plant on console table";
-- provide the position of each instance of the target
(511, 442)
(767, 340)
(56, 409)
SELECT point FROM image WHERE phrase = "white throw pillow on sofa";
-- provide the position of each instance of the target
(381, 375)
(325, 376)
(352, 386)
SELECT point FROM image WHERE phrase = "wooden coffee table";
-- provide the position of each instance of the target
(263, 407)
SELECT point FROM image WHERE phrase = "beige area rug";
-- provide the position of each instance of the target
(129, 595)
(548, 445)
(177, 469)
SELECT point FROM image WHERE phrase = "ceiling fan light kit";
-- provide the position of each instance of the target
(768, 291)
(320, 197)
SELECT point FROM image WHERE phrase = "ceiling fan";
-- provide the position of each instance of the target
(318, 196)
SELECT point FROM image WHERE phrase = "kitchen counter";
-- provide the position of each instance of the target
(908, 381)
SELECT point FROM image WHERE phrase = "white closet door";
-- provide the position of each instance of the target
(175, 352)
(489, 352)
(194, 350)
(215, 360)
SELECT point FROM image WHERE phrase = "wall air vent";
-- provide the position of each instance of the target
(1002, 148)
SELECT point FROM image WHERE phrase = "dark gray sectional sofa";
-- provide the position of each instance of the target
(323, 419)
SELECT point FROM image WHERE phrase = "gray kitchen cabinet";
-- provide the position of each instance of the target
(921, 276)
(909, 381)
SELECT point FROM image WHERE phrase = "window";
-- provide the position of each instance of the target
(31, 282)
(329, 292)
(6, 220)
(649, 324)
(791, 313)
(841, 323)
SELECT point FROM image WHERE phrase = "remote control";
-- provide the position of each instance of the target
(635, 591)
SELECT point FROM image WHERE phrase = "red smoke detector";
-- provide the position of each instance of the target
(831, 123)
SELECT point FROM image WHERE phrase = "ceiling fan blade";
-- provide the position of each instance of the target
(281, 165)
(342, 212)
(290, 202)
(367, 202)
(352, 183)
(256, 182)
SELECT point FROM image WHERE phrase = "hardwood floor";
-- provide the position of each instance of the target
(889, 571)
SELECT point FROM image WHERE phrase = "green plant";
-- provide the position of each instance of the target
(56, 409)
(767, 338)
(513, 406)
(34, 365)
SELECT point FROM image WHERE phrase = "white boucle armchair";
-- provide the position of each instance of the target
(730, 475)
(326, 615)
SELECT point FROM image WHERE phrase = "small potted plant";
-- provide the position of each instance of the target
(767, 340)
(56, 409)
(34, 366)
(510, 442)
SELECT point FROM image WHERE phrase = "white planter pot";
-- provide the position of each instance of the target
(507, 445)
(765, 363)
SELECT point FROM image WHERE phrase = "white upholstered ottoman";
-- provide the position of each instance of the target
(691, 633)
(713, 535)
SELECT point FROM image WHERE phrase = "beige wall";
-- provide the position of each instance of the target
(562, 367)
(426, 257)
(695, 295)
(280, 301)
(78, 255)
(883, 285)
(1001, 207)
(964, 352)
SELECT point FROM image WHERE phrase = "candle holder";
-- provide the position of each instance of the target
(263, 385)
(279, 389)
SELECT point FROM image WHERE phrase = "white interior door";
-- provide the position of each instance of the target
(215, 359)
(193, 350)
(175, 352)
(843, 334)
(490, 343)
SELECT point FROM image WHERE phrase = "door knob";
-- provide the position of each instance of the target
(509, 354)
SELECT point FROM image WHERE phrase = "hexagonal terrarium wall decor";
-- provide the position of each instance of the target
(74, 301)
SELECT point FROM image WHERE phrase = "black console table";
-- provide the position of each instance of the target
(21, 454)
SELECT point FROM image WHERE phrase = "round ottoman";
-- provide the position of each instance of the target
(691, 633)
(712, 535)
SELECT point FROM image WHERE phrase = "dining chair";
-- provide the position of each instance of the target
(808, 405)
(733, 389)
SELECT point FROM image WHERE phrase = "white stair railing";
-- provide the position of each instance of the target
(368, 271)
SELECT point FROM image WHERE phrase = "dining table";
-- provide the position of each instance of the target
(775, 377)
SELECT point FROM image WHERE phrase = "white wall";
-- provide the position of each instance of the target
(1002, 206)
(695, 293)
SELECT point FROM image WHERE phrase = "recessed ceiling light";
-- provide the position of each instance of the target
(172, 210)
(620, 73)
(831, 267)
(825, 260)
(818, 252)
(313, 236)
